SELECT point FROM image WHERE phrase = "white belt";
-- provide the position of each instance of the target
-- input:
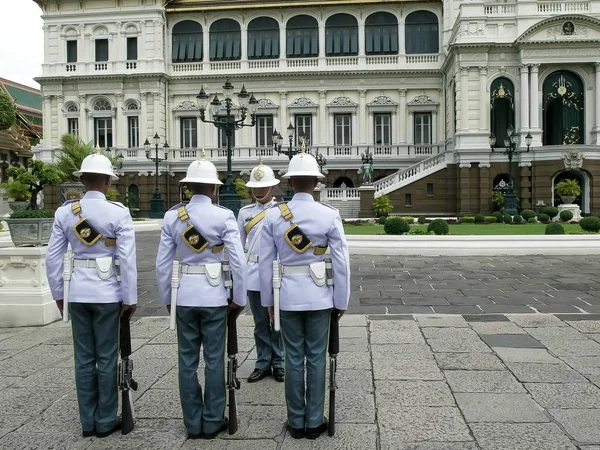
(193, 269)
(84, 263)
(295, 269)
(253, 258)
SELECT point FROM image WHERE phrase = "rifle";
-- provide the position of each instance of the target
(334, 349)
(67, 271)
(174, 289)
(276, 291)
(126, 382)
(232, 348)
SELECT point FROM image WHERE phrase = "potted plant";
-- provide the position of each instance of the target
(568, 190)
(17, 191)
(382, 206)
(30, 227)
(35, 177)
(8, 111)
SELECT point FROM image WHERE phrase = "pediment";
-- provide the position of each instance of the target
(562, 29)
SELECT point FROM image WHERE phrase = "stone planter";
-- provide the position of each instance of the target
(71, 191)
(30, 232)
(567, 199)
(18, 206)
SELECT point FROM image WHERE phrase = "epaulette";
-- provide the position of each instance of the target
(220, 206)
(177, 206)
(68, 202)
(328, 205)
(247, 206)
(119, 204)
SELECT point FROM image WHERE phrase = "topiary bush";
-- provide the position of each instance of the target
(33, 214)
(419, 231)
(467, 219)
(438, 226)
(499, 216)
(422, 220)
(507, 218)
(518, 219)
(554, 228)
(565, 215)
(544, 218)
(408, 219)
(531, 220)
(590, 224)
(552, 211)
(491, 219)
(396, 225)
(382, 220)
(527, 214)
(479, 218)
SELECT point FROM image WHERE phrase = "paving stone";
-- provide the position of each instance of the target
(153, 434)
(441, 321)
(586, 326)
(403, 326)
(258, 422)
(43, 355)
(520, 436)
(149, 327)
(413, 393)
(583, 425)
(429, 446)
(353, 320)
(159, 404)
(536, 320)
(355, 380)
(534, 355)
(265, 392)
(485, 318)
(10, 422)
(586, 365)
(561, 347)
(510, 341)
(354, 345)
(496, 328)
(349, 360)
(397, 337)
(353, 332)
(32, 401)
(347, 436)
(421, 423)
(46, 441)
(229, 444)
(50, 377)
(165, 337)
(554, 333)
(468, 361)
(486, 407)
(8, 381)
(404, 351)
(482, 381)
(354, 407)
(403, 369)
(565, 395)
(458, 344)
(62, 415)
(545, 373)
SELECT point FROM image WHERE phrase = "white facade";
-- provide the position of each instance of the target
(400, 105)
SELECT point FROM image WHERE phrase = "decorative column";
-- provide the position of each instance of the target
(483, 100)
(60, 115)
(83, 125)
(144, 118)
(284, 121)
(464, 193)
(525, 185)
(524, 99)
(401, 38)
(121, 124)
(485, 189)
(206, 51)
(156, 119)
(323, 118)
(361, 43)
(402, 138)
(244, 45)
(282, 45)
(47, 119)
(322, 61)
(464, 99)
(362, 116)
(411, 127)
(597, 102)
(168, 119)
(534, 114)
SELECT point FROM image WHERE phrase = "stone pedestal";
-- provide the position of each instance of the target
(25, 298)
(367, 195)
(575, 209)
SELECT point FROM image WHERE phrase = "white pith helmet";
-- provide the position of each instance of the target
(202, 171)
(303, 165)
(96, 163)
(262, 176)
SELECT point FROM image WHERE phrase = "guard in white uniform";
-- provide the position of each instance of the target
(100, 233)
(269, 348)
(200, 231)
(298, 233)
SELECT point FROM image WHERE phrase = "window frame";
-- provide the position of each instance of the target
(336, 36)
(133, 131)
(416, 39)
(377, 115)
(179, 37)
(132, 49)
(408, 200)
(301, 128)
(108, 132)
(73, 43)
(262, 35)
(300, 36)
(98, 56)
(188, 135)
(430, 190)
(73, 126)
(264, 131)
(423, 114)
(348, 127)
(220, 40)
(386, 32)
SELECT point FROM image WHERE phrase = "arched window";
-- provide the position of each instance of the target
(132, 197)
(225, 40)
(341, 35)
(343, 182)
(381, 34)
(502, 106)
(263, 38)
(72, 108)
(302, 37)
(187, 41)
(102, 105)
(563, 109)
(422, 33)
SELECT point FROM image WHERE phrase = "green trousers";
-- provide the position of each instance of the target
(96, 344)
(305, 337)
(207, 327)
(269, 348)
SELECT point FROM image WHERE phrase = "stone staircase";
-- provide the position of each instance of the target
(413, 173)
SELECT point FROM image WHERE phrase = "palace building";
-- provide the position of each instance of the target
(422, 86)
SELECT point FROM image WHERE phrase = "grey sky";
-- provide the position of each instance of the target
(21, 41)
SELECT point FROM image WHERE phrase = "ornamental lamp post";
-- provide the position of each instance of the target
(157, 210)
(290, 152)
(321, 160)
(119, 164)
(511, 143)
(229, 197)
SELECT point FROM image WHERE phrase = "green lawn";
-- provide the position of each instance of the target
(469, 229)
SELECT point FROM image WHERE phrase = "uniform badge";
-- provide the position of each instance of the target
(86, 233)
(194, 240)
(259, 174)
(297, 239)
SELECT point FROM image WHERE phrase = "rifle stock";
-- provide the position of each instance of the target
(334, 349)
(174, 289)
(232, 349)
(126, 382)
(67, 271)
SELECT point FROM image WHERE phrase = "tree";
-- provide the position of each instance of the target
(8, 111)
(72, 153)
(240, 187)
(36, 176)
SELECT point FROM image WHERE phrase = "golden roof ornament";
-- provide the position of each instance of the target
(501, 91)
(303, 146)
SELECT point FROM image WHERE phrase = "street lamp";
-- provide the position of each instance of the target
(321, 160)
(157, 210)
(511, 143)
(119, 163)
(228, 123)
(290, 152)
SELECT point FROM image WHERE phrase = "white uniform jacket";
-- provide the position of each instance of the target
(323, 226)
(251, 241)
(218, 226)
(111, 220)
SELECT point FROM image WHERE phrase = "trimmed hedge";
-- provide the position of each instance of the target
(507, 218)
(554, 228)
(531, 220)
(499, 216)
(479, 218)
(527, 214)
(467, 219)
(565, 215)
(518, 219)
(396, 225)
(408, 219)
(552, 211)
(382, 220)
(422, 220)
(33, 214)
(590, 224)
(491, 219)
(544, 218)
(438, 226)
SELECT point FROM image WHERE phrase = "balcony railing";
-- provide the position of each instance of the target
(563, 7)
(500, 10)
(340, 194)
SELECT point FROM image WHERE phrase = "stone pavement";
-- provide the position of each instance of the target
(425, 382)
(443, 284)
